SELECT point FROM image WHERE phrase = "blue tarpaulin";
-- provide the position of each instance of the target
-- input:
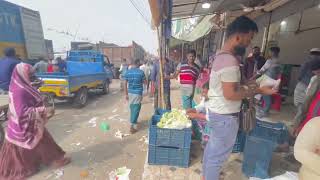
(78, 68)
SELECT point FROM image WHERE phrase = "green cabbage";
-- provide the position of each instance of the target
(176, 119)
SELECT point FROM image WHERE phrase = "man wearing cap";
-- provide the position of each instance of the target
(304, 78)
(7, 64)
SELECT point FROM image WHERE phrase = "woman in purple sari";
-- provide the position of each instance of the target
(28, 144)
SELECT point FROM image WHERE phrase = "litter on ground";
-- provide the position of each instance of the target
(144, 139)
(104, 126)
(84, 174)
(120, 135)
(57, 174)
(120, 174)
(286, 176)
(93, 122)
(114, 116)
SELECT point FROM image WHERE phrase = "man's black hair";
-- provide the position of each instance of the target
(136, 62)
(192, 51)
(315, 53)
(275, 50)
(315, 65)
(241, 24)
(10, 52)
(256, 47)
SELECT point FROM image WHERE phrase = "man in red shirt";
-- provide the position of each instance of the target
(189, 73)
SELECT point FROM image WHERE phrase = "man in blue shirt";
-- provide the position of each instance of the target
(134, 79)
(62, 65)
(7, 65)
(155, 79)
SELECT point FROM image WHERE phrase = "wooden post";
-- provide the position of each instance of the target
(266, 37)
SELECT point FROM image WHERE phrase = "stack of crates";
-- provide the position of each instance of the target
(240, 142)
(257, 157)
(168, 146)
(260, 144)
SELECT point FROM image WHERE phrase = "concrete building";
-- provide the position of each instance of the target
(117, 53)
(49, 48)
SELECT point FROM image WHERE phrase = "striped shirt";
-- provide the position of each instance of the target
(135, 78)
(188, 74)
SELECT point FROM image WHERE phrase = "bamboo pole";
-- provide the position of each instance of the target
(162, 61)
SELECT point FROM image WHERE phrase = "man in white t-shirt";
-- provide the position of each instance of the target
(225, 96)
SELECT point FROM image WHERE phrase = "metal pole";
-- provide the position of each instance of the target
(267, 35)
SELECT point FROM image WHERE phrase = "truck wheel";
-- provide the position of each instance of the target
(81, 97)
(106, 87)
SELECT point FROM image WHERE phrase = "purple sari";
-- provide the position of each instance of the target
(27, 113)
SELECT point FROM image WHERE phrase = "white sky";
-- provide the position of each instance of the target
(114, 21)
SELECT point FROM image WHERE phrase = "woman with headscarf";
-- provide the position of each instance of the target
(28, 143)
(311, 105)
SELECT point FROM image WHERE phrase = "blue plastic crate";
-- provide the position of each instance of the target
(268, 130)
(257, 156)
(240, 142)
(168, 137)
(160, 155)
(160, 111)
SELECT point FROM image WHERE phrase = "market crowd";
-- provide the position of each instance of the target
(225, 81)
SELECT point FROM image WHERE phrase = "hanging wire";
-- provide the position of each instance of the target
(140, 12)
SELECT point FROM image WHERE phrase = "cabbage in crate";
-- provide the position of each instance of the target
(176, 119)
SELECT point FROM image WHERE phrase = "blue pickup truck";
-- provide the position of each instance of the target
(86, 70)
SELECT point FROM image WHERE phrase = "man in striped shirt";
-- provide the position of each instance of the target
(188, 72)
(134, 79)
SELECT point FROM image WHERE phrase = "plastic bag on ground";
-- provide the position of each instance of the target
(120, 174)
(286, 176)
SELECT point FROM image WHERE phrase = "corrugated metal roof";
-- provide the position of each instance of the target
(186, 8)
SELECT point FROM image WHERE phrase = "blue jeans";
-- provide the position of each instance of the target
(220, 144)
(267, 103)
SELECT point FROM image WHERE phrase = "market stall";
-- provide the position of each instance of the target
(200, 25)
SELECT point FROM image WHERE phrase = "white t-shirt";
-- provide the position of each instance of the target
(225, 68)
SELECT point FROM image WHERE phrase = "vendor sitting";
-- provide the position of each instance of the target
(307, 150)
(199, 114)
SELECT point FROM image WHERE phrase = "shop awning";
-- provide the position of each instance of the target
(192, 29)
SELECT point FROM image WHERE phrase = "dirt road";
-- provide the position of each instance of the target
(92, 150)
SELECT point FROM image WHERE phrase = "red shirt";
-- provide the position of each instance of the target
(50, 68)
(189, 74)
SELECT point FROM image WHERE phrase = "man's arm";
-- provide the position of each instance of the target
(175, 75)
(144, 78)
(35, 67)
(232, 92)
(126, 89)
(265, 67)
(302, 71)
